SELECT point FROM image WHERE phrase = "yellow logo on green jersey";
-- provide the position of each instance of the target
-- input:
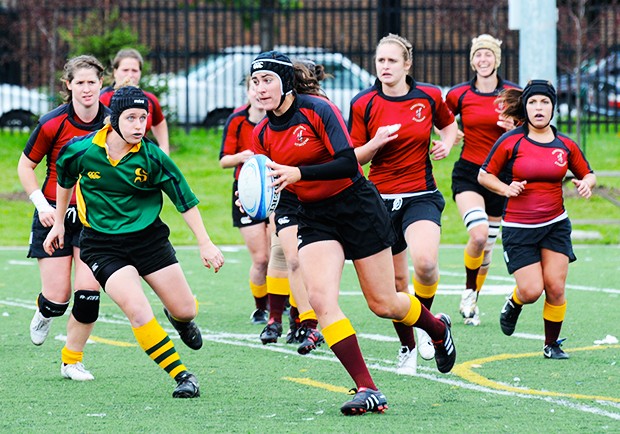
(141, 175)
(94, 175)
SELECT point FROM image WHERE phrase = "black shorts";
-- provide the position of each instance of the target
(522, 245)
(355, 218)
(240, 219)
(286, 211)
(465, 178)
(148, 250)
(73, 227)
(407, 210)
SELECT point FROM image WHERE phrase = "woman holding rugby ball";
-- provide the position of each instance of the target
(340, 217)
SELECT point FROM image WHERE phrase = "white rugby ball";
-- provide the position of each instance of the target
(258, 198)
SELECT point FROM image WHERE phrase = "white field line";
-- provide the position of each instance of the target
(251, 341)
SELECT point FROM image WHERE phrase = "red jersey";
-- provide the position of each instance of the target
(403, 165)
(156, 115)
(311, 132)
(237, 135)
(53, 131)
(479, 117)
(543, 166)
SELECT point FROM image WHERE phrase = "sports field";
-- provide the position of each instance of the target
(500, 384)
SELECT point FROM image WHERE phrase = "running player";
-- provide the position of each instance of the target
(482, 124)
(340, 217)
(120, 179)
(391, 125)
(127, 69)
(536, 232)
(81, 114)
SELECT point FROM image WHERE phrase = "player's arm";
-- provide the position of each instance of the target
(493, 183)
(384, 134)
(447, 137)
(56, 237)
(28, 179)
(210, 254)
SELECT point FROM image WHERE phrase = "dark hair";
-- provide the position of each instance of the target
(512, 102)
(306, 81)
(84, 61)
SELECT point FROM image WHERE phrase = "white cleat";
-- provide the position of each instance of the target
(407, 361)
(468, 305)
(76, 372)
(39, 328)
(474, 320)
(425, 345)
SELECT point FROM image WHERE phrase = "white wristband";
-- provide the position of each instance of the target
(40, 202)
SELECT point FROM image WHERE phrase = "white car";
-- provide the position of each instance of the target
(209, 92)
(21, 107)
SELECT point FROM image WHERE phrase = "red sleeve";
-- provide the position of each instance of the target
(158, 114)
(443, 114)
(357, 123)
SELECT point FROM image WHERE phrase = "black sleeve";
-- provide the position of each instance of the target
(344, 165)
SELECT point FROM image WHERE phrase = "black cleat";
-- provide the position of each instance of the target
(554, 351)
(293, 333)
(508, 317)
(259, 316)
(187, 386)
(365, 400)
(188, 331)
(309, 339)
(271, 333)
(445, 351)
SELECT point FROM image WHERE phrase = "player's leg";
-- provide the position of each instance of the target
(555, 271)
(373, 273)
(53, 300)
(407, 354)
(322, 264)
(471, 207)
(257, 238)
(81, 322)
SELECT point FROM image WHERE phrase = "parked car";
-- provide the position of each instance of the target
(592, 71)
(21, 107)
(603, 97)
(209, 91)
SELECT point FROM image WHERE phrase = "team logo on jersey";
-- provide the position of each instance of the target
(94, 175)
(283, 220)
(499, 108)
(141, 175)
(417, 112)
(560, 157)
(298, 132)
(245, 220)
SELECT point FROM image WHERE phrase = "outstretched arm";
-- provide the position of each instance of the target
(210, 254)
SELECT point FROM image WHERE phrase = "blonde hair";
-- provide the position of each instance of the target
(392, 38)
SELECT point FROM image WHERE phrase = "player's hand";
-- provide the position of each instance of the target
(506, 122)
(211, 256)
(284, 175)
(515, 188)
(384, 135)
(583, 188)
(440, 150)
(244, 156)
(47, 218)
(55, 239)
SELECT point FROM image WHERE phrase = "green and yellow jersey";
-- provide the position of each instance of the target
(121, 196)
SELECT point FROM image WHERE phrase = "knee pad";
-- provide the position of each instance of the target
(86, 306)
(49, 309)
(475, 217)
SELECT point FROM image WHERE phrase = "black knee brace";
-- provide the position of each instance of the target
(86, 306)
(49, 309)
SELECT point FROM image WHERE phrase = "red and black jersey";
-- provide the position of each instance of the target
(156, 115)
(311, 132)
(237, 134)
(403, 165)
(479, 117)
(543, 166)
(53, 131)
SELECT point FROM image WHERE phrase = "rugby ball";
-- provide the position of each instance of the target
(258, 198)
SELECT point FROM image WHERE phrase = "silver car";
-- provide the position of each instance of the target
(209, 92)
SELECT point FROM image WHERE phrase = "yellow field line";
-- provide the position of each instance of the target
(111, 342)
(465, 371)
(312, 383)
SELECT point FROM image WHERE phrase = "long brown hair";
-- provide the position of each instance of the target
(510, 103)
(84, 61)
